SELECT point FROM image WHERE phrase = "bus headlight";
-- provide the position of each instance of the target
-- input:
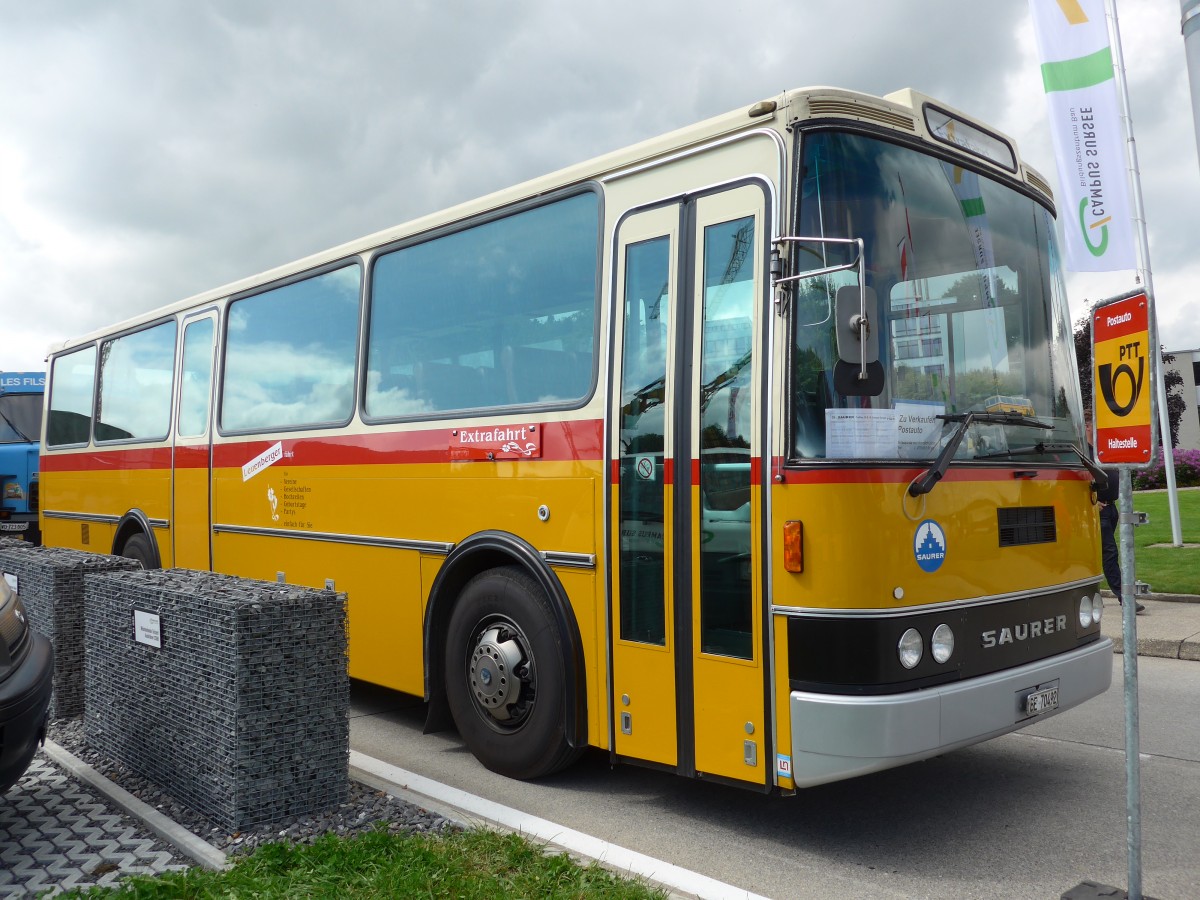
(1085, 612)
(910, 648)
(1097, 608)
(942, 643)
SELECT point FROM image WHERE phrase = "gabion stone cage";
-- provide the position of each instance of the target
(232, 695)
(50, 582)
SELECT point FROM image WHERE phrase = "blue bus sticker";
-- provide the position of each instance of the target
(783, 765)
(929, 545)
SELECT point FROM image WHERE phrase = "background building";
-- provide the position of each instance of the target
(1187, 364)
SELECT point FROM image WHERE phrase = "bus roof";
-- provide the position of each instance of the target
(901, 111)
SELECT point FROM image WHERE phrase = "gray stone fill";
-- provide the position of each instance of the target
(243, 713)
(50, 582)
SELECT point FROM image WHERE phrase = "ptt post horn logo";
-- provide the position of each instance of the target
(1107, 377)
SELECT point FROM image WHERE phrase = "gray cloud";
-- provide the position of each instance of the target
(149, 151)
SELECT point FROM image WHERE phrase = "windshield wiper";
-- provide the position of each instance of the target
(924, 484)
(1099, 476)
(13, 425)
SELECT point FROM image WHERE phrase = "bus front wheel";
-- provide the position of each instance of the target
(505, 677)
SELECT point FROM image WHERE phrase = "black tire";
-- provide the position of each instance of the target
(505, 677)
(140, 549)
(16, 768)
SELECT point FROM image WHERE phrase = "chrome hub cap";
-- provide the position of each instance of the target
(497, 672)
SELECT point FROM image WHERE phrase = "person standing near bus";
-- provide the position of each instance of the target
(1107, 496)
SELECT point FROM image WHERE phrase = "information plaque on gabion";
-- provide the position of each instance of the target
(232, 695)
(50, 582)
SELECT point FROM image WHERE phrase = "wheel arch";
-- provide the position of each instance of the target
(135, 522)
(478, 553)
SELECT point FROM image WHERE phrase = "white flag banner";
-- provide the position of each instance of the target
(1089, 142)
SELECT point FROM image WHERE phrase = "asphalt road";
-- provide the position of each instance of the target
(1029, 815)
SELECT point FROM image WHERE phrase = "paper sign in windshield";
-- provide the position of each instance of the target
(861, 433)
(918, 429)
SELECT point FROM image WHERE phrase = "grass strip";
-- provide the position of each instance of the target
(480, 864)
(1168, 570)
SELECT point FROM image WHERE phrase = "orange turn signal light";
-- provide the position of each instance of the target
(793, 546)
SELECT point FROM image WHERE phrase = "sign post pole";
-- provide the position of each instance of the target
(1123, 393)
(1133, 741)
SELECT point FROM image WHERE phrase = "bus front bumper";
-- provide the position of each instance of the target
(836, 736)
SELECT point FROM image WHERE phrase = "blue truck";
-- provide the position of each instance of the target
(20, 430)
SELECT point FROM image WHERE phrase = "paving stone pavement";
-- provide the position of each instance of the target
(57, 834)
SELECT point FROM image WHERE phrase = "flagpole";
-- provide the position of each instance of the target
(1145, 275)
(1133, 775)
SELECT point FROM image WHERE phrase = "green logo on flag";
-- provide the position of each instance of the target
(1076, 74)
(1094, 249)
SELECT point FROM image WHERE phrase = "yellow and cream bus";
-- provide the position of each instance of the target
(681, 453)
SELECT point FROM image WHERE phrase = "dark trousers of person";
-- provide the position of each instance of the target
(1111, 559)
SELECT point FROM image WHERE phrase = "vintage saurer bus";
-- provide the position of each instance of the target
(683, 453)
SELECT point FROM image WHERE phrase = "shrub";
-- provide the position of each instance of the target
(1187, 472)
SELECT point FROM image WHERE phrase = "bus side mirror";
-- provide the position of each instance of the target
(858, 372)
(857, 315)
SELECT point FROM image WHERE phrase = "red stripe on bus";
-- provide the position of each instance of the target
(667, 465)
(191, 457)
(109, 460)
(904, 476)
(561, 441)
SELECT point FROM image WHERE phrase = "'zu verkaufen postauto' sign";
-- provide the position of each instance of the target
(1122, 381)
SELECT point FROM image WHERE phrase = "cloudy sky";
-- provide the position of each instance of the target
(150, 150)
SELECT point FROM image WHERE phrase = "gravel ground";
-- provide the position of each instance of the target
(365, 809)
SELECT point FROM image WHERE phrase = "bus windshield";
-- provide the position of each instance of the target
(20, 418)
(971, 311)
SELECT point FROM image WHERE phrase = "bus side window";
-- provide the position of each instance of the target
(72, 380)
(290, 354)
(501, 313)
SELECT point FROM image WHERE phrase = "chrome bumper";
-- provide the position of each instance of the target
(836, 736)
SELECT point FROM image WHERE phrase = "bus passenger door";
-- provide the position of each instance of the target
(192, 460)
(643, 614)
(689, 664)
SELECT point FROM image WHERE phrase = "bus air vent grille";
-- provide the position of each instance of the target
(843, 108)
(1038, 184)
(1020, 525)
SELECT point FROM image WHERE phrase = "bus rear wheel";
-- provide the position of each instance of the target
(505, 679)
(139, 549)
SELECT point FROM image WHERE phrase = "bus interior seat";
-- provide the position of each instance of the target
(451, 386)
(534, 374)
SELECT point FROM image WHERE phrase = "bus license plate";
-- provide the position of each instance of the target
(1041, 702)
(13, 526)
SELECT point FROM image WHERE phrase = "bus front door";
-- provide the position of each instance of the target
(688, 662)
